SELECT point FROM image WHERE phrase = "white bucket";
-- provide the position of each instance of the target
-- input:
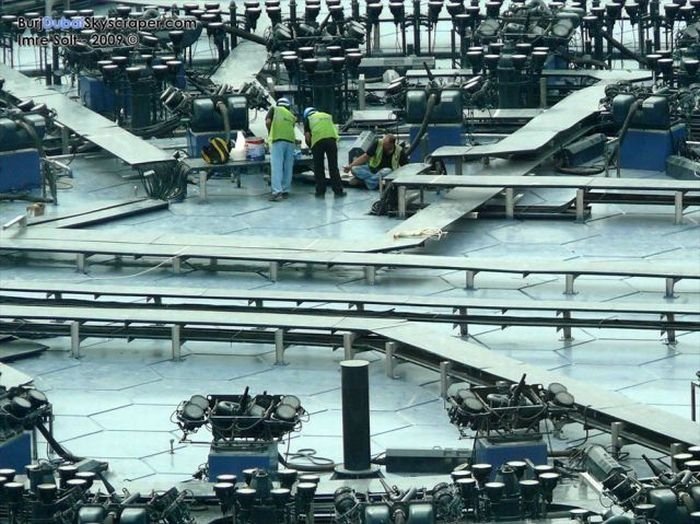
(255, 148)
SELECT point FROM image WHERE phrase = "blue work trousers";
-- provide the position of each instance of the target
(281, 165)
(371, 180)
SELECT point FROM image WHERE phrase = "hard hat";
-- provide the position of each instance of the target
(283, 102)
(309, 111)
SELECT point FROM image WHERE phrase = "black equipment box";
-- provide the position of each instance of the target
(433, 460)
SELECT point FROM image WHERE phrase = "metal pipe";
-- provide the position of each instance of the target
(233, 30)
(623, 50)
(416, 27)
(232, 22)
(61, 165)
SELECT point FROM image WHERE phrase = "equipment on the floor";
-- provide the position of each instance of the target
(361, 144)
(669, 497)
(215, 117)
(426, 460)
(127, 88)
(508, 412)
(433, 125)
(508, 418)
(20, 160)
(652, 133)
(21, 410)
(259, 501)
(682, 168)
(245, 428)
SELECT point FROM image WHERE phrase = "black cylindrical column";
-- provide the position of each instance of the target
(355, 387)
(355, 393)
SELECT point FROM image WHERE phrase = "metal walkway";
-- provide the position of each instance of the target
(372, 244)
(668, 317)
(610, 190)
(400, 340)
(369, 262)
(536, 141)
(455, 358)
(84, 122)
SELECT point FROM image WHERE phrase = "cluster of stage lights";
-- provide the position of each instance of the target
(261, 416)
(305, 58)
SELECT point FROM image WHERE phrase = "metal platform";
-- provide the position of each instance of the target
(535, 142)
(668, 317)
(642, 424)
(168, 238)
(623, 190)
(84, 122)
(99, 215)
(369, 262)
(400, 340)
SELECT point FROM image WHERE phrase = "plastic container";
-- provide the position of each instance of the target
(238, 153)
(255, 149)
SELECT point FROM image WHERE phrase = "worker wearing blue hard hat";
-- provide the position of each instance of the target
(280, 123)
(322, 137)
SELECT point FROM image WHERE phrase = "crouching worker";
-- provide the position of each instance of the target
(322, 137)
(380, 159)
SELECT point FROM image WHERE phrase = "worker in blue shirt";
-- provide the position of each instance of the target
(322, 137)
(280, 123)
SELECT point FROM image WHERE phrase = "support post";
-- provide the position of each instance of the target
(694, 386)
(361, 95)
(177, 264)
(370, 275)
(569, 289)
(616, 429)
(390, 359)
(670, 331)
(175, 342)
(279, 348)
(670, 284)
(348, 350)
(510, 203)
(402, 201)
(202, 186)
(566, 329)
(213, 264)
(580, 203)
(463, 324)
(75, 339)
(470, 278)
(445, 367)
(678, 205)
(65, 139)
(543, 92)
(80, 262)
(376, 44)
(274, 268)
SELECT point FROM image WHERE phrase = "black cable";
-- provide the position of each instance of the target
(319, 464)
(60, 450)
(580, 170)
(432, 100)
